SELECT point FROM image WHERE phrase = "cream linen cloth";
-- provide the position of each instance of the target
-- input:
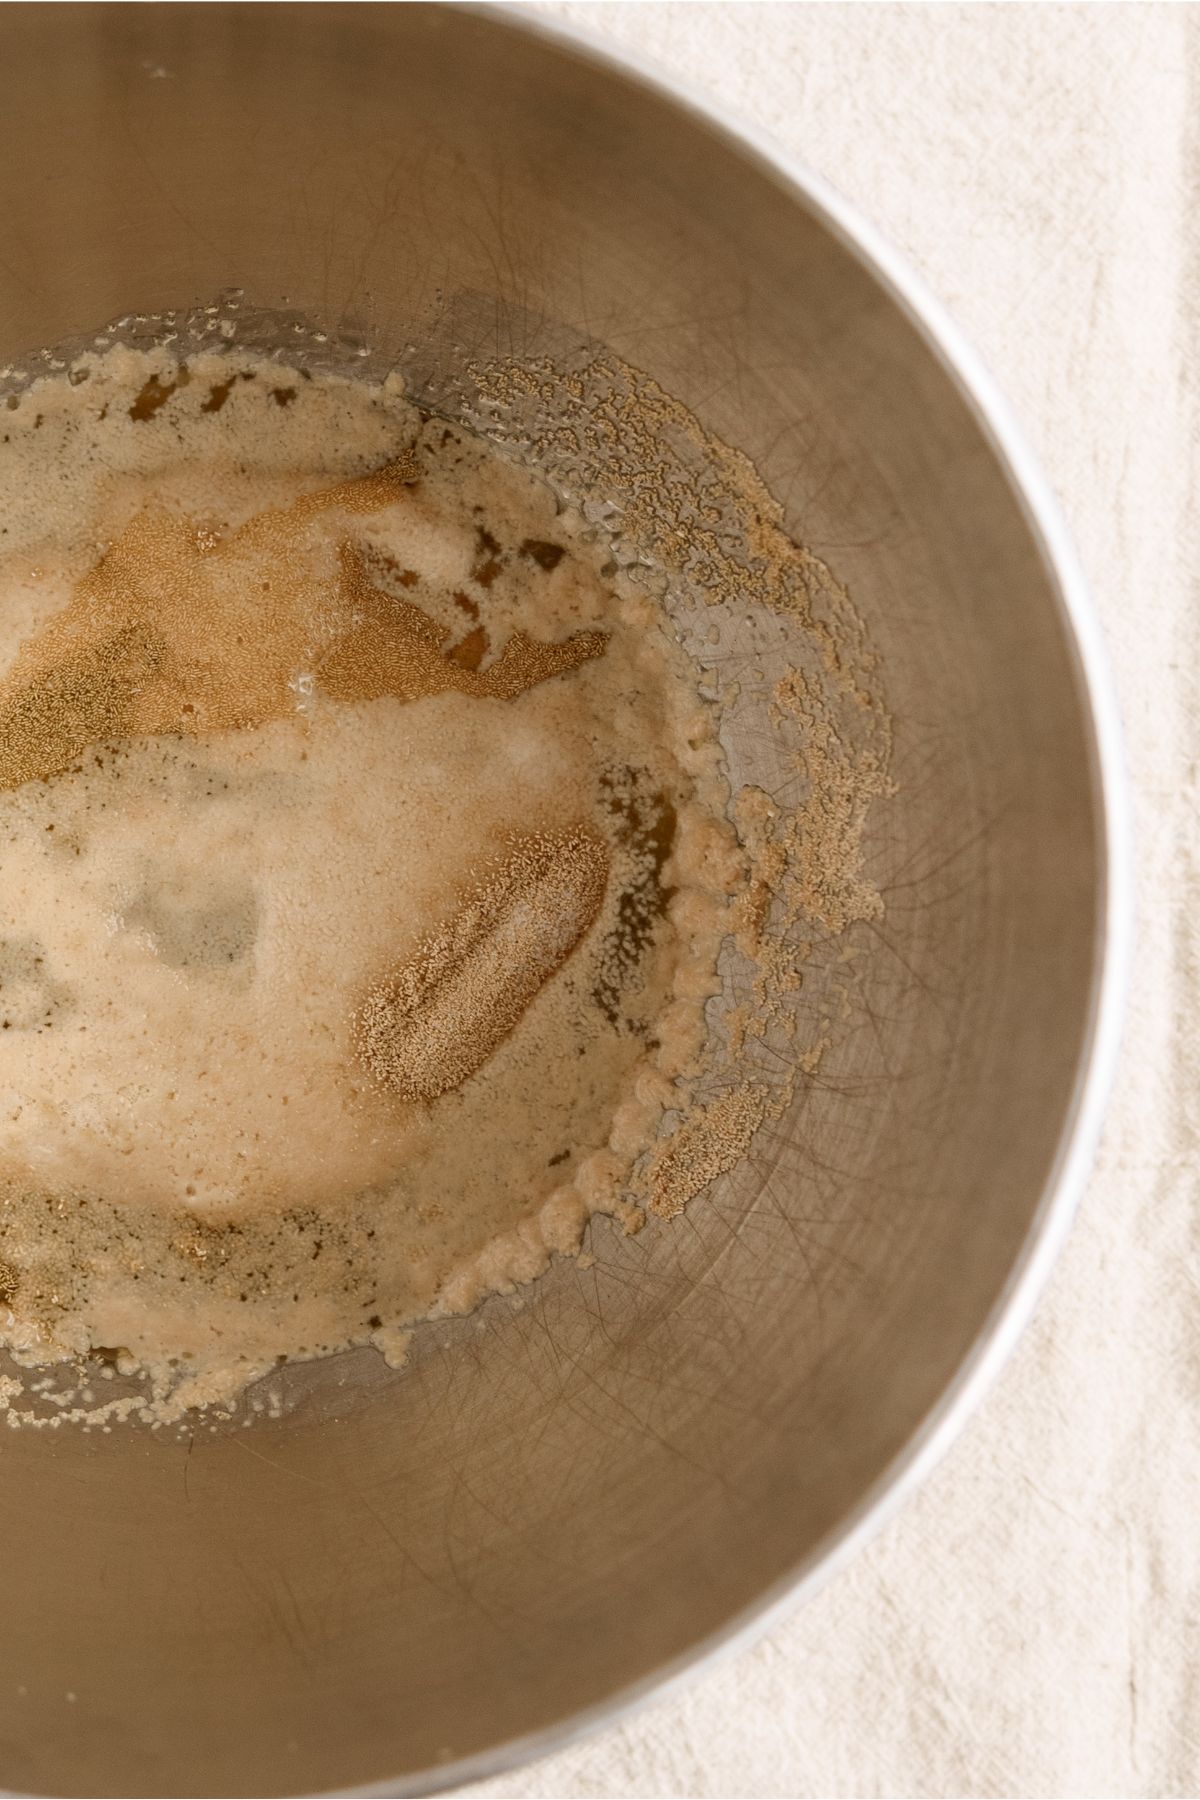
(1030, 1623)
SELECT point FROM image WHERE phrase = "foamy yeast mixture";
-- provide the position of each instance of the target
(363, 869)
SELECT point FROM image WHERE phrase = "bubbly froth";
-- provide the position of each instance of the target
(361, 897)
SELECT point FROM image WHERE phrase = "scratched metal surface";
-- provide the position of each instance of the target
(571, 1490)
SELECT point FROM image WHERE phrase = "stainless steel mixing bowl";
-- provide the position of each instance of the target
(414, 1577)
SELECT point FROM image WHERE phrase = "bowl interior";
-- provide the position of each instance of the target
(571, 1490)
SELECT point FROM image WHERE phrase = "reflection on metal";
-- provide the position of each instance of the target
(411, 1577)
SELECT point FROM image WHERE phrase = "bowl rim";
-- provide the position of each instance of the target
(1080, 1133)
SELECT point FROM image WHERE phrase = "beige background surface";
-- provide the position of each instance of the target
(1031, 1622)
